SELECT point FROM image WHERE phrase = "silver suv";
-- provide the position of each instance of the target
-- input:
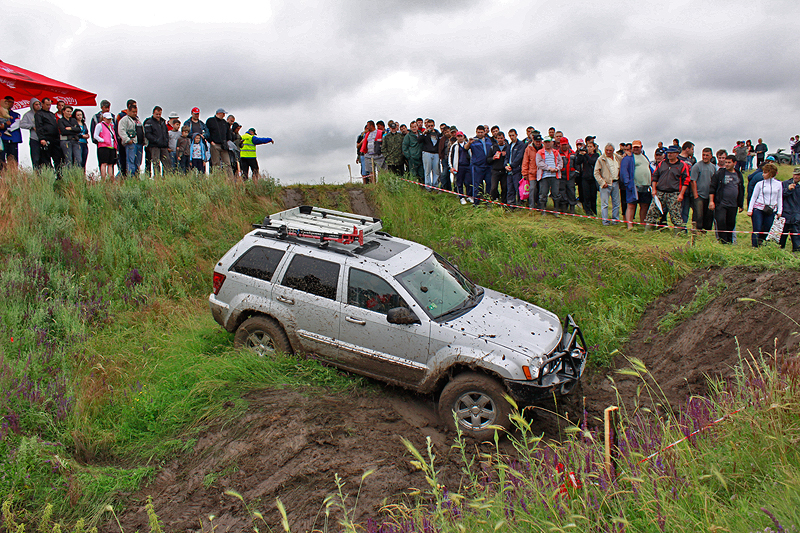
(332, 284)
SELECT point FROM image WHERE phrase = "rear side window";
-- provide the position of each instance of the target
(313, 276)
(258, 262)
(369, 291)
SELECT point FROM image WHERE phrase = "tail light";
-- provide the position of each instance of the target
(219, 279)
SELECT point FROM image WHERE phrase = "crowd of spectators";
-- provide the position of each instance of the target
(536, 169)
(61, 139)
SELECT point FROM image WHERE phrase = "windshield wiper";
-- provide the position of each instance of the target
(469, 303)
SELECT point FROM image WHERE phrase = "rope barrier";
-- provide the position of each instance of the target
(576, 215)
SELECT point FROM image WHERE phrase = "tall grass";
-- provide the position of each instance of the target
(108, 353)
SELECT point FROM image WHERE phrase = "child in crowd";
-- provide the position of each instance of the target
(199, 153)
(174, 134)
(182, 149)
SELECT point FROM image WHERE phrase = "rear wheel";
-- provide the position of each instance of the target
(478, 401)
(263, 336)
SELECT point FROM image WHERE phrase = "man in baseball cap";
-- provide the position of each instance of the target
(247, 156)
(196, 125)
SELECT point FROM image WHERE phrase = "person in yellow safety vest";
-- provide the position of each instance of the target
(247, 156)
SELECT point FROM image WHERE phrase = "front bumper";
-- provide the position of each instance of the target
(559, 373)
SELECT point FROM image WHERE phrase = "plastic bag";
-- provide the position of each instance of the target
(524, 189)
(776, 229)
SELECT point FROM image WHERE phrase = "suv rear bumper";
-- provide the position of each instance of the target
(219, 310)
(559, 373)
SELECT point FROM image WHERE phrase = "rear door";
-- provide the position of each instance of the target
(368, 343)
(306, 303)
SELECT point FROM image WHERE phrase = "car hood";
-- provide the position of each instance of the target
(511, 323)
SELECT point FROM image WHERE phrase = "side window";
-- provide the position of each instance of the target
(369, 291)
(312, 275)
(258, 262)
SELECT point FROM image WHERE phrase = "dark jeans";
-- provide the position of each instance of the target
(512, 187)
(589, 196)
(703, 216)
(247, 164)
(498, 180)
(568, 196)
(444, 174)
(546, 186)
(51, 156)
(726, 222)
(464, 181)
(481, 181)
(35, 152)
(685, 206)
(84, 154)
(761, 225)
(199, 165)
(795, 230)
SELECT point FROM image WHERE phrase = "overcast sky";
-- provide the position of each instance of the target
(310, 74)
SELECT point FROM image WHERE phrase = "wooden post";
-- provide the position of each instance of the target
(694, 231)
(350, 171)
(610, 440)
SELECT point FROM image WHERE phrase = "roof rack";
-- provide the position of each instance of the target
(325, 225)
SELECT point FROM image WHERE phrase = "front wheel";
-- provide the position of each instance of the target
(478, 401)
(263, 336)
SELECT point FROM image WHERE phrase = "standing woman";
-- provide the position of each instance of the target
(68, 135)
(107, 146)
(766, 202)
(751, 154)
(83, 138)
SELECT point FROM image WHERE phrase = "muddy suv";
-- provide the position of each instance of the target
(334, 285)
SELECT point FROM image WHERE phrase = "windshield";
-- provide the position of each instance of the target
(439, 287)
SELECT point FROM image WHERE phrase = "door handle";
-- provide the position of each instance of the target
(285, 300)
(356, 321)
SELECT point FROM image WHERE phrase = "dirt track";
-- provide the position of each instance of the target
(289, 445)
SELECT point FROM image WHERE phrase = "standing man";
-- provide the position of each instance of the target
(514, 157)
(687, 156)
(480, 147)
(429, 140)
(371, 149)
(585, 161)
(740, 151)
(11, 135)
(459, 163)
(97, 118)
(700, 176)
(412, 150)
(444, 148)
(155, 131)
(791, 211)
(49, 143)
(568, 177)
(549, 165)
(28, 123)
(196, 125)
(761, 152)
(530, 172)
(131, 134)
(497, 160)
(393, 149)
(668, 185)
(247, 156)
(219, 133)
(725, 196)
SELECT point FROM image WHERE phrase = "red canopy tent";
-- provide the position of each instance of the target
(23, 85)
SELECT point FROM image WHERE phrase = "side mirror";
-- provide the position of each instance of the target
(401, 315)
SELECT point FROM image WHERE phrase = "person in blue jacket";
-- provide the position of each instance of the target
(480, 146)
(9, 132)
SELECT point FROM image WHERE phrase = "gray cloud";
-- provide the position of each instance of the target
(314, 73)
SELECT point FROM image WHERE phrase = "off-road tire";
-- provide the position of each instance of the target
(482, 395)
(262, 335)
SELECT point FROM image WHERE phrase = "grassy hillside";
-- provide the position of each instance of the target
(110, 361)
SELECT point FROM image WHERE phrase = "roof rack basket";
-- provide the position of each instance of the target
(307, 222)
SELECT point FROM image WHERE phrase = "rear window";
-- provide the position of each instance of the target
(312, 275)
(258, 262)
